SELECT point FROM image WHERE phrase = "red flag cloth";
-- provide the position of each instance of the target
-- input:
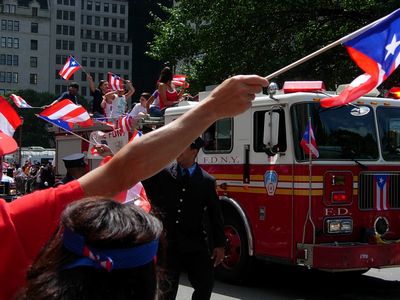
(308, 142)
(9, 119)
(377, 61)
(180, 80)
(69, 68)
(67, 111)
(116, 82)
(19, 101)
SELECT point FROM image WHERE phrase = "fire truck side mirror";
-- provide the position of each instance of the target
(271, 132)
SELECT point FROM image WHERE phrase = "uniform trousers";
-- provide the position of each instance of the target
(200, 271)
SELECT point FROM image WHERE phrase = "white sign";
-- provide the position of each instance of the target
(114, 139)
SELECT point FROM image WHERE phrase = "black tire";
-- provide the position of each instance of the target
(237, 264)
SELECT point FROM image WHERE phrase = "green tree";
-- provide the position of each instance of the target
(212, 40)
(33, 131)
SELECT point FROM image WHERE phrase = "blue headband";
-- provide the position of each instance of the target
(107, 259)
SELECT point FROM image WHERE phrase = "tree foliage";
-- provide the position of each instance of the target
(212, 40)
(33, 131)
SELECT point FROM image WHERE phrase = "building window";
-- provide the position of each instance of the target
(66, 2)
(15, 77)
(16, 43)
(118, 63)
(16, 25)
(9, 77)
(101, 63)
(59, 14)
(92, 62)
(83, 76)
(101, 48)
(84, 61)
(105, 22)
(97, 35)
(110, 49)
(9, 42)
(34, 27)
(59, 1)
(89, 5)
(65, 15)
(101, 76)
(58, 29)
(3, 42)
(97, 6)
(126, 50)
(122, 9)
(9, 60)
(2, 76)
(88, 34)
(109, 63)
(121, 37)
(2, 59)
(118, 49)
(126, 64)
(84, 46)
(15, 60)
(58, 44)
(71, 45)
(114, 36)
(89, 20)
(65, 29)
(97, 21)
(3, 24)
(105, 36)
(65, 45)
(58, 59)
(106, 7)
(9, 25)
(122, 23)
(114, 8)
(34, 44)
(114, 22)
(33, 78)
(34, 11)
(33, 61)
(72, 2)
(72, 15)
(93, 47)
(71, 30)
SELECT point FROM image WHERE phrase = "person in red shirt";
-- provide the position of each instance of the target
(167, 92)
(28, 222)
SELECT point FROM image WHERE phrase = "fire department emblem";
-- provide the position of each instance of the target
(270, 182)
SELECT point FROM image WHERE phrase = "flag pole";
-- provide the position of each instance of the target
(322, 50)
(73, 133)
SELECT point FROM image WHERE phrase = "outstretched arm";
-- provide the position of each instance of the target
(133, 163)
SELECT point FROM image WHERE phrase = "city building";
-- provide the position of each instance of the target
(24, 46)
(37, 36)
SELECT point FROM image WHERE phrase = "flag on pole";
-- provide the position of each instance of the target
(9, 119)
(180, 80)
(65, 111)
(116, 82)
(70, 67)
(376, 51)
(308, 142)
(19, 101)
(124, 124)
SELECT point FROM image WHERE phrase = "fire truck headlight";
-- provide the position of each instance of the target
(337, 226)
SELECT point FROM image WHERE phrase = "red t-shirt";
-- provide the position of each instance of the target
(25, 226)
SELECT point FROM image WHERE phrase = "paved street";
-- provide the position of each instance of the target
(287, 283)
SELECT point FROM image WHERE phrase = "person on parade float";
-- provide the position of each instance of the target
(167, 93)
(28, 222)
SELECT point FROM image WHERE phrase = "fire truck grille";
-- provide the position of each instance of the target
(379, 191)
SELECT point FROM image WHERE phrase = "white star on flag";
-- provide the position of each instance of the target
(391, 48)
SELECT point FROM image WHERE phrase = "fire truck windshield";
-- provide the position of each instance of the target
(389, 130)
(339, 134)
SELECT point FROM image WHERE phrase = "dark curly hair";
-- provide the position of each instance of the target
(105, 224)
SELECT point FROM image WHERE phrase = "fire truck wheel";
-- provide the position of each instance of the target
(237, 262)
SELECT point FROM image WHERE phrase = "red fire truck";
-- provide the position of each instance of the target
(337, 212)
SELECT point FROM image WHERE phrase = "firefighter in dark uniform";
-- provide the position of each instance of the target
(184, 196)
(76, 168)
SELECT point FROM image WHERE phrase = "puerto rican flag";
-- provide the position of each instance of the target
(381, 183)
(308, 142)
(124, 124)
(376, 51)
(19, 101)
(65, 113)
(70, 67)
(9, 119)
(116, 82)
(180, 80)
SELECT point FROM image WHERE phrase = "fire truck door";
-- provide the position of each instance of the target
(272, 187)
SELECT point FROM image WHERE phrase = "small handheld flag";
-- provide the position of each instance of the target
(9, 119)
(308, 142)
(19, 101)
(116, 82)
(180, 80)
(70, 67)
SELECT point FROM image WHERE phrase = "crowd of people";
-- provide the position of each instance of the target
(75, 241)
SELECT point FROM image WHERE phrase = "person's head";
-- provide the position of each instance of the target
(166, 75)
(75, 165)
(144, 97)
(73, 88)
(7, 145)
(188, 156)
(120, 92)
(103, 249)
(103, 86)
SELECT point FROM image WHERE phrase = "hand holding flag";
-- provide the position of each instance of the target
(19, 101)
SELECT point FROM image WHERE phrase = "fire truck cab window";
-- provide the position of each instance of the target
(218, 137)
(259, 131)
(339, 134)
(389, 130)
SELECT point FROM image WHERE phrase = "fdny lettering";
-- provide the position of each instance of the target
(336, 211)
(115, 133)
(220, 160)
